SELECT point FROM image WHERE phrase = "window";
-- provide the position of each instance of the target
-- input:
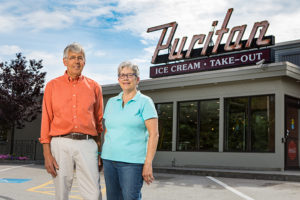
(209, 125)
(236, 117)
(187, 126)
(198, 126)
(165, 121)
(249, 124)
(262, 124)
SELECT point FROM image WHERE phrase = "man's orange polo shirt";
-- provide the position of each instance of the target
(71, 106)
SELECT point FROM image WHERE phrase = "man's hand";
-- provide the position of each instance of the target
(50, 162)
(98, 142)
(148, 173)
(51, 165)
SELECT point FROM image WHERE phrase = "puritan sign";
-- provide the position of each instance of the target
(209, 57)
(211, 63)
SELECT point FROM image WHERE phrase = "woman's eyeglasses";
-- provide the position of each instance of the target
(130, 75)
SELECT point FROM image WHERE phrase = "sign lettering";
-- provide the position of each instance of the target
(209, 49)
(212, 63)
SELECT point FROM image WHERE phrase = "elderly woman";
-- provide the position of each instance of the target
(131, 138)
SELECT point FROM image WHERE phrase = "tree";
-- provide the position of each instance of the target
(21, 84)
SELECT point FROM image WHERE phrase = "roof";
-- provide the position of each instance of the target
(278, 69)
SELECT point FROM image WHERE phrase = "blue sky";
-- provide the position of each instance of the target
(112, 31)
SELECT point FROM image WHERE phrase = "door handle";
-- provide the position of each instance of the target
(286, 135)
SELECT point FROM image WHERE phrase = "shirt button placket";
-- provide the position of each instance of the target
(74, 109)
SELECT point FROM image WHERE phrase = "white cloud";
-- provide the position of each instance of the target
(35, 21)
(91, 12)
(9, 50)
(283, 29)
(47, 20)
(7, 24)
(8, 21)
(144, 42)
(150, 49)
(91, 51)
(99, 53)
(139, 60)
(195, 17)
(102, 73)
(48, 58)
(189, 15)
(101, 78)
(41, 15)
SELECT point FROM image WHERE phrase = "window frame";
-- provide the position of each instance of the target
(249, 135)
(198, 125)
(156, 104)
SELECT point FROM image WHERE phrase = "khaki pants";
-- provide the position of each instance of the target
(83, 154)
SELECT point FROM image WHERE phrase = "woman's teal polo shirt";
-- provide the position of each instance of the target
(126, 134)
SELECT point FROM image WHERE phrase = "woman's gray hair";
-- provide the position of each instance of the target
(74, 47)
(130, 65)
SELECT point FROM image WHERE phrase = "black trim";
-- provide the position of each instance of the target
(198, 125)
(248, 137)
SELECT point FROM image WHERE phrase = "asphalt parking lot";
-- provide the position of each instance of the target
(31, 182)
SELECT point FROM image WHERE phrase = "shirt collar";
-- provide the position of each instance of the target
(69, 79)
(119, 97)
(136, 96)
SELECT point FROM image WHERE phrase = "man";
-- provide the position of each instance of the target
(71, 126)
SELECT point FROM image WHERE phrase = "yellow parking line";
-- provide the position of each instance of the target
(35, 189)
(75, 197)
(46, 185)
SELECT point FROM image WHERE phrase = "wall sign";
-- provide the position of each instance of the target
(212, 63)
(209, 47)
(292, 150)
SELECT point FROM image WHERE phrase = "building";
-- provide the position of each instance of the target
(244, 117)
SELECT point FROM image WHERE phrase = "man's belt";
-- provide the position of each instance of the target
(76, 136)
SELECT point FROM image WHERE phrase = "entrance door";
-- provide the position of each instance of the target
(292, 118)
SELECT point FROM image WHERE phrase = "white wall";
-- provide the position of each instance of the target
(222, 159)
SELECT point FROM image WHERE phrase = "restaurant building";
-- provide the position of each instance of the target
(244, 117)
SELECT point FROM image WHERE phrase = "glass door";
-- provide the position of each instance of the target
(291, 138)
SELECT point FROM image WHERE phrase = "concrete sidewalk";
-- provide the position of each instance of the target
(287, 175)
(230, 173)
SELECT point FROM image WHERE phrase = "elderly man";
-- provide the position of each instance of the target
(71, 126)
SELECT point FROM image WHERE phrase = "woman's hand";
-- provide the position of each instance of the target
(148, 173)
(152, 127)
(100, 164)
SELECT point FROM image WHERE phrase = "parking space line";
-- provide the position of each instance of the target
(6, 169)
(35, 189)
(49, 185)
(38, 189)
(230, 188)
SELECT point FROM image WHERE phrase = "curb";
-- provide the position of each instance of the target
(38, 162)
(232, 174)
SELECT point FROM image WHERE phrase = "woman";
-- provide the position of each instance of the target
(131, 138)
